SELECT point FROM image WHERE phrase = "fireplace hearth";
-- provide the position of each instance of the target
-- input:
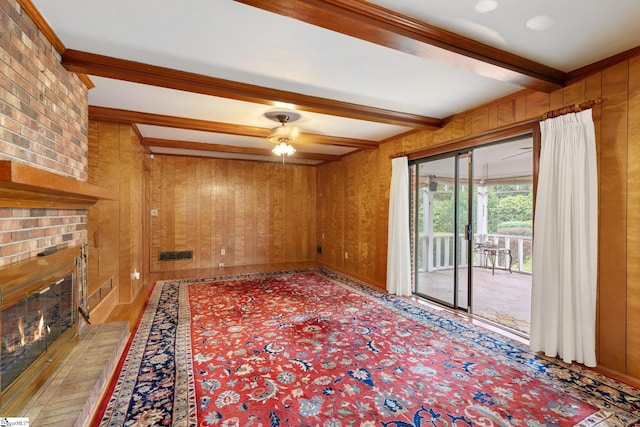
(39, 321)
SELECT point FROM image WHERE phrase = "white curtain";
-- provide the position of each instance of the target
(399, 252)
(563, 306)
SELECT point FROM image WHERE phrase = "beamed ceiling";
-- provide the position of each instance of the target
(197, 77)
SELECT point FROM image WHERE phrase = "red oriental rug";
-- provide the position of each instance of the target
(314, 348)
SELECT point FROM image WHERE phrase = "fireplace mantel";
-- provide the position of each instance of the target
(26, 186)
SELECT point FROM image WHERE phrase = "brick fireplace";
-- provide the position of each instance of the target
(44, 199)
(40, 301)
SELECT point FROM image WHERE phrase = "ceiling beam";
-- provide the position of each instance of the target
(134, 117)
(120, 69)
(370, 22)
(219, 148)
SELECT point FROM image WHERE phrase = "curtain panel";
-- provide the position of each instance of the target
(563, 303)
(399, 248)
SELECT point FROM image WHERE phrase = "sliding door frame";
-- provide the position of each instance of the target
(455, 147)
(457, 158)
(468, 142)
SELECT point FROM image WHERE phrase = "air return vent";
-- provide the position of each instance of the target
(175, 256)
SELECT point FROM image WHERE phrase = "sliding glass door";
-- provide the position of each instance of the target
(471, 230)
(441, 229)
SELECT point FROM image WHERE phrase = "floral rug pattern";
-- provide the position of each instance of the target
(314, 348)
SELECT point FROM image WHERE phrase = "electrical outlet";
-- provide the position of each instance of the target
(221, 264)
(222, 251)
(346, 255)
(154, 212)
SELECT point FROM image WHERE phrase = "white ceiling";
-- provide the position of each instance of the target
(229, 40)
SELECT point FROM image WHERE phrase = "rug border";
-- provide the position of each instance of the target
(96, 417)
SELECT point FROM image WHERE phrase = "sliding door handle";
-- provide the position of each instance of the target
(468, 232)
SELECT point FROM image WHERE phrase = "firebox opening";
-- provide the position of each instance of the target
(39, 314)
(31, 325)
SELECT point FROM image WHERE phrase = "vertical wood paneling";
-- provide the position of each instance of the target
(250, 200)
(194, 189)
(157, 227)
(593, 90)
(116, 237)
(312, 208)
(222, 197)
(276, 207)
(203, 215)
(556, 99)
(617, 127)
(124, 243)
(239, 217)
(351, 235)
(93, 214)
(492, 119)
(613, 219)
(382, 216)
(331, 198)
(633, 223)
(480, 120)
(262, 216)
(537, 104)
(106, 239)
(258, 213)
(506, 113)
(520, 109)
(181, 187)
(168, 212)
(131, 147)
(574, 94)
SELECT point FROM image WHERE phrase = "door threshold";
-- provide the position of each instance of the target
(476, 320)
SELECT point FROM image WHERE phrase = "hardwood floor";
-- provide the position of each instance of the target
(131, 312)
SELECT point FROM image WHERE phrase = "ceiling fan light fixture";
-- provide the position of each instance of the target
(283, 149)
(283, 135)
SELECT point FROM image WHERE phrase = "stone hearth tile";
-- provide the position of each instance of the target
(73, 390)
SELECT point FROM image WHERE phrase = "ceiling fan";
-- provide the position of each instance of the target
(283, 136)
(525, 151)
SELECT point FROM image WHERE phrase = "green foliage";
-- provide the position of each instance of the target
(515, 224)
(515, 228)
(506, 207)
(510, 207)
(443, 211)
(515, 231)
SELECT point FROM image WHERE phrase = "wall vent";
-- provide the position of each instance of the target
(175, 255)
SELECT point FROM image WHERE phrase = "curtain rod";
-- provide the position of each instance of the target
(575, 108)
(400, 154)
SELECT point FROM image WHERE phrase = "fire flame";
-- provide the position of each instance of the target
(39, 332)
(21, 329)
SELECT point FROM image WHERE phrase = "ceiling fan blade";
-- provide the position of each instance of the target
(517, 154)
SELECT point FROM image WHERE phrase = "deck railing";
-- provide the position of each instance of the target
(436, 252)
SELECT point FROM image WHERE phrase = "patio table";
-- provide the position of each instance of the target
(491, 252)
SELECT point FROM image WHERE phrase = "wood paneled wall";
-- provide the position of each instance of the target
(353, 199)
(258, 213)
(115, 227)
